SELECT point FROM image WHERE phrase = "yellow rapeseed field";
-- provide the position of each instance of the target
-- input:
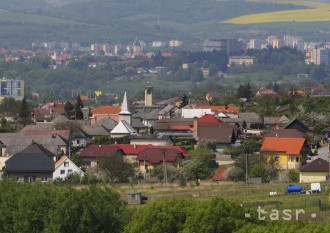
(316, 12)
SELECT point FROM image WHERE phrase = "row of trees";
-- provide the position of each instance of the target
(215, 215)
(48, 208)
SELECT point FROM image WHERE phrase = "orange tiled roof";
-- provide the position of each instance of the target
(106, 110)
(208, 118)
(59, 162)
(224, 109)
(229, 109)
(267, 92)
(180, 127)
(291, 146)
(219, 175)
(213, 108)
(297, 92)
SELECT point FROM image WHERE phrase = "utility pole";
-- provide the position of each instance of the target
(328, 181)
(246, 169)
(164, 164)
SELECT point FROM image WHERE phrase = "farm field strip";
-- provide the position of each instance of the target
(316, 12)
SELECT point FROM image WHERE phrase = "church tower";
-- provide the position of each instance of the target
(125, 114)
(148, 96)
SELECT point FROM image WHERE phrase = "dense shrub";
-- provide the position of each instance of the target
(47, 208)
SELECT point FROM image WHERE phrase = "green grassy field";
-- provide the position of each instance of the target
(315, 12)
(247, 195)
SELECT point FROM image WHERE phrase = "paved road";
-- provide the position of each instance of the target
(322, 152)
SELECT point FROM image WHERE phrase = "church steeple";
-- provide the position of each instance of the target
(124, 106)
(125, 114)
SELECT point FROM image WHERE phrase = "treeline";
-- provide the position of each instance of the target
(283, 61)
(49, 208)
(187, 12)
(215, 61)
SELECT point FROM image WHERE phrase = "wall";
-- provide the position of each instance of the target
(21, 176)
(310, 177)
(2, 162)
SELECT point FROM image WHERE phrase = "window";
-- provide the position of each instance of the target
(66, 164)
(70, 171)
(277, 158)
(78, 141)
(44, 179)
(62, 172)
(29, 178)
(297, 159)
(292, 159)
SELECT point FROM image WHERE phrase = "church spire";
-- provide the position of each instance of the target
(124, 107)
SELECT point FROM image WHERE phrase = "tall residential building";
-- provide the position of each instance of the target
(255, 44)
(275, 42)
(294, 42)
(175, 43)
(11, 88)
(320, 56)
(230, 46)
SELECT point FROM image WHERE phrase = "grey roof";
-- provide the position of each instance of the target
(232, 120)
(168, 101)
(271, 120)
(34, 158)
(143, 112)
(285, 133)
(275, 120)
(176, 135)
(216, 132)
(137, 123)
(249, 117)
(60, 119)
(153, 115)
(95, 130)
(39, 126)
(150, 137)
(167, 109)
(16, 142)
(107, 123)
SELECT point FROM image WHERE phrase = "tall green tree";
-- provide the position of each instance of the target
(116, 168)
(199, 164)
(25, 112)
(77, 108)
(184, 101)
(69, 109)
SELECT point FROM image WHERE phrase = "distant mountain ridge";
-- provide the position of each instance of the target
(121, 20)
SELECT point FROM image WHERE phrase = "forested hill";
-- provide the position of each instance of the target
(86, 21)
(176, 11)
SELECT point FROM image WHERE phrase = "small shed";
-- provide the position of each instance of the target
(134, 198)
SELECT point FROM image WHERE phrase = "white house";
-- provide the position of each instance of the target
(195, 112)
(65, 167)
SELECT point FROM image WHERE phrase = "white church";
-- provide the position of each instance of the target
(124, 128)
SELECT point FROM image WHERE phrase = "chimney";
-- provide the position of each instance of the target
(135, 146)
(195, 124)
(100, 146)
(276, 135)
